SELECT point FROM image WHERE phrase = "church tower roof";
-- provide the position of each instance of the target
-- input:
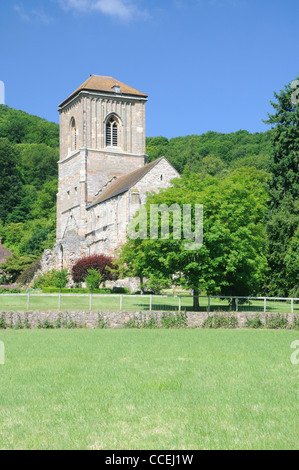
(105, 85)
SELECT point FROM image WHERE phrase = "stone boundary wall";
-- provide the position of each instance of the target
(86, 319)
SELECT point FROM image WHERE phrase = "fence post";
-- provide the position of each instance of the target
(180, 303)
(59, 302)
(292, 305)
(121, 302)
(265, 304)
(209, 304)
(237, 304)
(151, 302)
(90, 302)
(28, 301)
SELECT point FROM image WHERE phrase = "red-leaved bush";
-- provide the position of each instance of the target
(98, 262)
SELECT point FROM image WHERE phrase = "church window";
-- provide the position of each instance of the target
(112, 132)
(73, 135)
(60, 256)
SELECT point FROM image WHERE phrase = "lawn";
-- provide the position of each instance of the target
(18, 302)
(148, 389)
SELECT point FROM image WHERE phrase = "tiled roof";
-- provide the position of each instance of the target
(104, 84)
(124, 183)
(4, 254)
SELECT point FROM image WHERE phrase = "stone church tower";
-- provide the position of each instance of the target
(102, 139)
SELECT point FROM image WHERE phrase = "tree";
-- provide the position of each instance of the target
(22, 211)
(93, 279)
(20, 127)
(14, 129)
(10, 179)
(45, 204)
(190, 151)
(61, 278)
(38, 164)
(232, 260)
(283, 190)
(39, 235)
(212, 166)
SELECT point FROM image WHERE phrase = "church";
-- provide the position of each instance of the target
(104, 176)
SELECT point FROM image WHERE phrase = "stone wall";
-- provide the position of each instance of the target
(118, 319)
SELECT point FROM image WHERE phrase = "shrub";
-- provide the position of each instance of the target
(220, 321)
(255, 322)
(53, 278)
(103, 264)
(102, 323)
(26, 322)
(120, 290)
(58, 323)
(27, 276)
(145, 292)
(48, 325)
(93, 279)
(19, 325)
(3, 324)
(168, 320)
(16, 265)
(141, 322)
(172, 320)
(55, 290)
(12, 289)
(45, 280)
(68, 323)
(276, 321)
(296, 322)
(5, 278)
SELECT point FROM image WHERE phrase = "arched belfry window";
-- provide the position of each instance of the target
(73, 134)
(112, 132)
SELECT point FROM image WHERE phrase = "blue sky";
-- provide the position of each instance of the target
(205, 64)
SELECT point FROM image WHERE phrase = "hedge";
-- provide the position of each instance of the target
(55, 290)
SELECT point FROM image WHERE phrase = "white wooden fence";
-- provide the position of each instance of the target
(118, 302)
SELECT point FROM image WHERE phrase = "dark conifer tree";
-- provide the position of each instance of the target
(283, 189)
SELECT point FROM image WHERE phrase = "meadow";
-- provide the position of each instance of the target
(149, 389)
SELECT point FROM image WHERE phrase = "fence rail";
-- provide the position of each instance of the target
(119, 302)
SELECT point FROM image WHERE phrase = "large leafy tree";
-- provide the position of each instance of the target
(232, 260)
(283, 189)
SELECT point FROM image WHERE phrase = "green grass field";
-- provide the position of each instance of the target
(148, 389)
(134, 303)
